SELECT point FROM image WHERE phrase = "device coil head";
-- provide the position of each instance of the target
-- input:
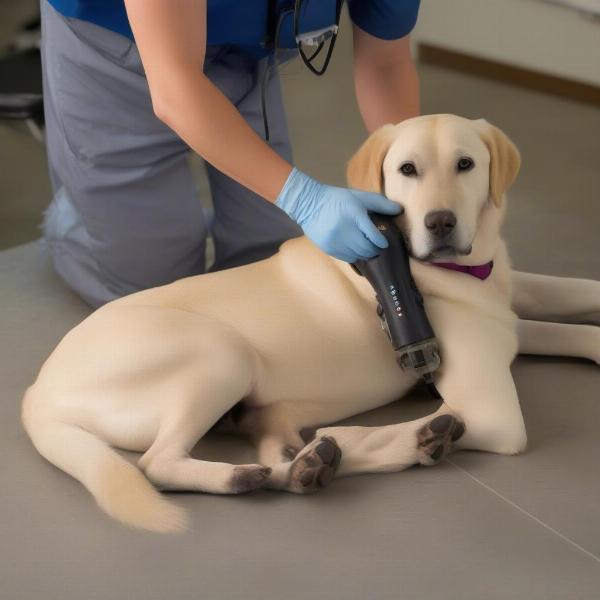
(421, 358)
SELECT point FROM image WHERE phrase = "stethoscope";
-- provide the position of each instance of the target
(278, 13)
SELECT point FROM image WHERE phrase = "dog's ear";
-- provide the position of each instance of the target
(505, 159)
(364, 170)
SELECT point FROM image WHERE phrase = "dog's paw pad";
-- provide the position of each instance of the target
(441, 424)
(249, 477)
(315, 467)
(458, 431)
(438, 453)
(435, 439)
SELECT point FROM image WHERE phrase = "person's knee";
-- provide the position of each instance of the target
(120, 262)
(81, 278)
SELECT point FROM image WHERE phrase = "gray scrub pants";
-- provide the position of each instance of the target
(125, 214)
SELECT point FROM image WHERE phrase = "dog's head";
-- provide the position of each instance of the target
(450, 174)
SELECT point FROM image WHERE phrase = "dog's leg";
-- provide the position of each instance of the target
(491, 421)
(304, 471)
(275, 435)
(294, 466)
(169, 466)
(353, 450)
(493, 417)
(174, 469)
(394, 448)
(281, 447)
(559, 339)
(481, 415)
(476, 384)
(278, 450)
(481, 411)
(217, 386)
(561, 299)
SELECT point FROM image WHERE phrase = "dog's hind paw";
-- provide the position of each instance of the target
(249, 477)
(315, 466)
(436, 438)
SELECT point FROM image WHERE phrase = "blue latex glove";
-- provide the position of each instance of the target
(336, 219)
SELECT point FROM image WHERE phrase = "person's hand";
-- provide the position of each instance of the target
(336, 219)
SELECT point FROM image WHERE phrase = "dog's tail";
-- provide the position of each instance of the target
(120, 489)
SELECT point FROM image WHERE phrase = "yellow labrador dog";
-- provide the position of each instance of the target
(294, 341)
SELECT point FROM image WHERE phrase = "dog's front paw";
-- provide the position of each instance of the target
(315, 466)
(436, 438)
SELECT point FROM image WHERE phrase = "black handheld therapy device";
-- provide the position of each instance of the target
(400, 305)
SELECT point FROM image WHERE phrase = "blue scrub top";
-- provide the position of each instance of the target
(244, 22)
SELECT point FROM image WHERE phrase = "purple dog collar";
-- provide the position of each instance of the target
(480, 271)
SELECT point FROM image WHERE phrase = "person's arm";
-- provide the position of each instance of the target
(171, 38)
(385, 79)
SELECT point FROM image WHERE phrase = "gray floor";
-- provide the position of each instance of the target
(477, 526)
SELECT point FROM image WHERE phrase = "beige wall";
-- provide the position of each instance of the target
(527, 33)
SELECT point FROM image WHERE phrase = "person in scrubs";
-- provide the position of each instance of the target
(131, 86)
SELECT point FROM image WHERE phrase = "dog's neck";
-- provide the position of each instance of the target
(481, 272)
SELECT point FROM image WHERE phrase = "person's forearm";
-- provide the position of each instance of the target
(388, 96)
(211, 125)
(386, 83)
(171, 38)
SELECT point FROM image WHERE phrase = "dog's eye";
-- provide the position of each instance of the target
(465, 164)
(408, 169)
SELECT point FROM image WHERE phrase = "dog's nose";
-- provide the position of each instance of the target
(440, 222)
